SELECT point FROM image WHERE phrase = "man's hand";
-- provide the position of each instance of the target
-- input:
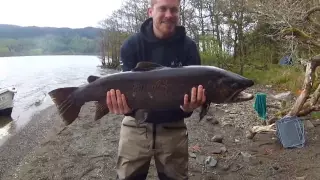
(117, 103)
(197, 99)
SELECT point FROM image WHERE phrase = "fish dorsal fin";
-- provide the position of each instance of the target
(147, 66)
(92, 78)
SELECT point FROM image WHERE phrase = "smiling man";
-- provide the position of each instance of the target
(164, 134)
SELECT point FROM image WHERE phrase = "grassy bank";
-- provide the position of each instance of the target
(280, 77)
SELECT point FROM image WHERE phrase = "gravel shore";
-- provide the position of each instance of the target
(22, 143)
(87, 149)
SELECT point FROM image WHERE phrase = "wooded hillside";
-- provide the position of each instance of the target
(21, 41)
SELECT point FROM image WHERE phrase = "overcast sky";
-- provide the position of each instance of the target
(56, 13)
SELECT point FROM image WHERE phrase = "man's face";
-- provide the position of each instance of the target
(165, 14)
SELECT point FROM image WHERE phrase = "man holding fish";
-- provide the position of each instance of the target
(155, 98)
(164, 134)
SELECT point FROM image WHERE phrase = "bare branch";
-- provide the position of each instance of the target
(308, 81)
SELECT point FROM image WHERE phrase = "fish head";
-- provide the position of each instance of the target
(238, 93)
(230, 88)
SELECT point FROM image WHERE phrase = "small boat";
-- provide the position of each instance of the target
(6, 101)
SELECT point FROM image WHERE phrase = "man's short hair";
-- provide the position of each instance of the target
(152, 2)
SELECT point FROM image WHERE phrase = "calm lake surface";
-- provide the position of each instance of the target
(35, 76)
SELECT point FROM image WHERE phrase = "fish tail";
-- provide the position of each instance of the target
(67, 108)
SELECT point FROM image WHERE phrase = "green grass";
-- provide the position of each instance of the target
(281, 77)
(261, 70)
(315, 115)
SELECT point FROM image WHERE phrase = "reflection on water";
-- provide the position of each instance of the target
(35, 76)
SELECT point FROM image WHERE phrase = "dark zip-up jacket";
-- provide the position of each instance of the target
(179, 50)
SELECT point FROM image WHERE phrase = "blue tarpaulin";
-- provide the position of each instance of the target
(286, 60)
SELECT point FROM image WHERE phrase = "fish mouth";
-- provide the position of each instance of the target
(241, 96)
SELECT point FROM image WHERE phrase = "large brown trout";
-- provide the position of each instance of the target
(152, 86)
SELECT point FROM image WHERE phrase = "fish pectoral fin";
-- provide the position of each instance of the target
(67, 108)
(92, 78)
(140, 116)
(101, 110)
(204, 110)
(147, 66)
